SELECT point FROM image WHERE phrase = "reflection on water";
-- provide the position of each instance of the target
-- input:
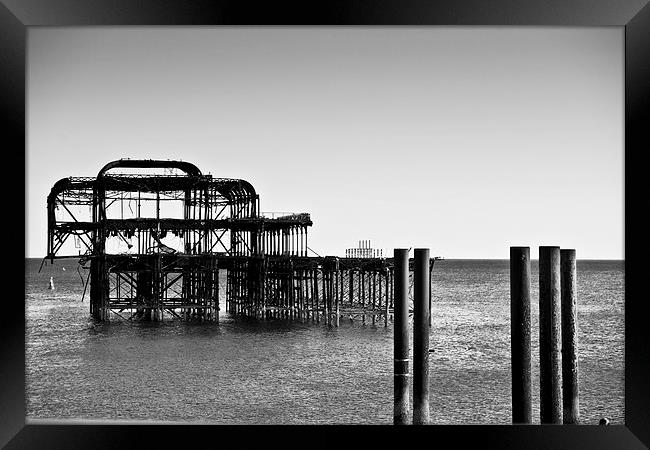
(248, 372)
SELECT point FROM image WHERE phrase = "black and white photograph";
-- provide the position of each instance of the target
(213, 215)
(325, 225)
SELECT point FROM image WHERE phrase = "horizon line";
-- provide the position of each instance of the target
(388, 257)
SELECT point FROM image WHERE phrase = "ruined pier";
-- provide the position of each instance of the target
(161, 240)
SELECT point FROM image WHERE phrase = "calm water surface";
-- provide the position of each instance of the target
(247, 372)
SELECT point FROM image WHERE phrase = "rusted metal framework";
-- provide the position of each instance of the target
(160, 240)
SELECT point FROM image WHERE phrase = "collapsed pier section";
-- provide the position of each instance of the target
(328, 289)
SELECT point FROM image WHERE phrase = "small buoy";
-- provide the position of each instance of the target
(51, 285)
(604, 421)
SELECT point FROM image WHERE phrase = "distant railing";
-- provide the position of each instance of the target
(364, 251)
(285, 215)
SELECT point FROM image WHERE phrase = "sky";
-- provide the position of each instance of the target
(464, 140)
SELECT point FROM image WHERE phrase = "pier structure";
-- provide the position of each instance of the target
(161, 240)
(364, 250)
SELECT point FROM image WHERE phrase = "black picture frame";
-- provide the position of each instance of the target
(633, 15)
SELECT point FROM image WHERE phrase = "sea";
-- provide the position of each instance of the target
(244, 371)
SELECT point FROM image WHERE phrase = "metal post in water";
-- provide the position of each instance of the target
(522, 411)
(401, 338)
(568, 281)
(362, 281)
(351, 285)
(387, 298)
(430, 295)
(550, 382)
(373, 282)
(338, 296)
(421, 288)
(317, 310)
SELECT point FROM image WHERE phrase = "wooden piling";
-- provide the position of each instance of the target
(522, 411)
(421, 286)
(568, 281)
(549, 336)
(401, 338)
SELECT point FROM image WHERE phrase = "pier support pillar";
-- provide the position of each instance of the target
(520, 334)
(401, 338)
(99, 289)
(569, 338)
(550, 383)
(421, 286)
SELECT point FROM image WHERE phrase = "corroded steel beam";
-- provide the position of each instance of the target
(185, 166)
